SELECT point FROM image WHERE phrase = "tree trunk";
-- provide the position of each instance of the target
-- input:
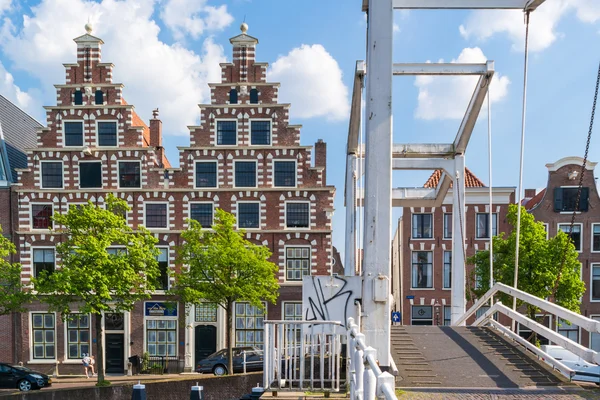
(228, 337)
(99, 366)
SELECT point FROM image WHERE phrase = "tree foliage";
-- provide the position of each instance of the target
(93, 279)
(540, 262)
(222, 267)
(13, 294)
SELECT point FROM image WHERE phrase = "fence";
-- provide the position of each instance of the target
(159, 365)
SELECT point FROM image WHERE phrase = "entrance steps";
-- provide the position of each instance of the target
(444, 356)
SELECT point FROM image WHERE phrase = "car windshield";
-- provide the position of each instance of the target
(217, 354)
(21, 368)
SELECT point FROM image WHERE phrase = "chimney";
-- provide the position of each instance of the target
(321, 157)
(155, 130)
(530, 193)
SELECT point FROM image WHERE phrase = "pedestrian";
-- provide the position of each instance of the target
(86, 361)
(92, 363)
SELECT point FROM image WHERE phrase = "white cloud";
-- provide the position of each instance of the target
(193, 17)
(445, 97)
(4, 6)
(155, 74)
(483, 24)
(8, 88)
(311, 80)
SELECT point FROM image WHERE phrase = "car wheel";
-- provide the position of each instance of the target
(219, 370)
(24, 385)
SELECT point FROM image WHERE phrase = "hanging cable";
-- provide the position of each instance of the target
(491, 212)
(523, 114)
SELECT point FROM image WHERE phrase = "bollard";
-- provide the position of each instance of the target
(197, 392)
(139, 392)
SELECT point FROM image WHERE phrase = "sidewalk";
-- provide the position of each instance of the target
(126, 378)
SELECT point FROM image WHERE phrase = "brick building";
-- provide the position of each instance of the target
(17, 132)
(422, 248)
(554, 206)
(244, 157)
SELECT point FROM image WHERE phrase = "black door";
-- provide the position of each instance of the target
(206, 341)
(115, 353)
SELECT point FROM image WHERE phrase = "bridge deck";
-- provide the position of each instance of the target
(458, 357)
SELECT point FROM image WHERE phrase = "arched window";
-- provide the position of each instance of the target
(78, 98)
(233, 96)
(99, 97)
(253, 96)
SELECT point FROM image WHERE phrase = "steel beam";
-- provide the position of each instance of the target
(458, 302)
(378, 180)
(350, 200)
(529, 5)
(421, 150)
(440, 69)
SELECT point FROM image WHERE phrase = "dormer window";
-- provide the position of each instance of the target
(99, 97)
(565, 199)
(78, 97)
(253, 96)
(233, 96)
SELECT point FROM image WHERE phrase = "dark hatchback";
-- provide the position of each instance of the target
(22, 378)
(217, 362)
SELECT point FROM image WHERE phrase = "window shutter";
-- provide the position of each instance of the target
(78, 98)
(99, 97)
(233, 97)
(583, 201)
(558, 199)
(253, 96)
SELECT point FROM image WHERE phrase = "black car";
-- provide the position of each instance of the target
(22, 378)
(217, 362)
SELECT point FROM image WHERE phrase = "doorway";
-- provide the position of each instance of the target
(115, 353)
(205, 341)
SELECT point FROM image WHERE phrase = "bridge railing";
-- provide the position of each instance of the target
(486, 318)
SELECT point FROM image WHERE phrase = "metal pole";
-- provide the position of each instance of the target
(350, 255)
(139, 392)
(458, 240)
(378, 179)
(197, 392)
(491, 214)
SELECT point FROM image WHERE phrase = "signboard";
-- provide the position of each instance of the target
(410, 297)
(157, 309)
(396, 317)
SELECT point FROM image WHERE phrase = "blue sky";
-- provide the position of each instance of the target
(166, 51)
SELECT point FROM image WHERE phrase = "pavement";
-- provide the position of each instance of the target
(554, 393)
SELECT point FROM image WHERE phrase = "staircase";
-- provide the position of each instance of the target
(443, 356)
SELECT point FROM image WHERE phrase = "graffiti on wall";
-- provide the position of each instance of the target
(330, 298)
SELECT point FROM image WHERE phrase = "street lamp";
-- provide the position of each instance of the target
(436, 307)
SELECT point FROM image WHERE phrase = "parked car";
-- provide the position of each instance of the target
(22, 378)
(217, 362)
(584, 371)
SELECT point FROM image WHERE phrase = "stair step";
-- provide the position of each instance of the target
(427, 382)
(422, 376)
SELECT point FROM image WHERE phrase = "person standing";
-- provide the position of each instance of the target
(86, 361)
(92, 363)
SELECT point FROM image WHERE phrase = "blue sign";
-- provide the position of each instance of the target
(156, 309)
(396, 317)
(410, 297)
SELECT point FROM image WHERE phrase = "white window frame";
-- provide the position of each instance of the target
(432, 270)
(66, 359)
(550, 323)
(595, 317)
(167, 247)
(547, 227)
(79, 175)
(285, 263)
(580, 232)
(168, 214)
(285, 215)
(444, 226)
(443, 264)
(283, 303)
(295, 168)
(591, 285)
(64, 137)
(578, 330)
(42, 174)
(412, 221)
(97, 136)
(237, 131)
(30, 325)
(204, 202)
(216, 174)
(490, 226)
(237, 219)
(250, 132)
(592, 238)
(32, 273)
(119, 174)
(265, 314)
(49, 202)
(255, 174)
(176, 319)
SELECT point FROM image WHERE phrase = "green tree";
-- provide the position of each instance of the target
(541, 272)
(93, 278)
(222, 267)
(13, 294)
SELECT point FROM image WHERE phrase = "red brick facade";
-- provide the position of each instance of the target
(293, 208)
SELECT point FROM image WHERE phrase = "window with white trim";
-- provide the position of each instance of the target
(422, 269)
(297, 263)
(73, 133)
(43, 260)
(227, 133)
(41, 216)
(203, 213)
(447, 315)
(285, 173)
(90, 175)
(52, 174)
(161, 337)
(249, 325)
(595, 337)
(43, 327)
(595, 237)
(163, 267)
(292, 311)
(78, 335)
(206, 174)
(297, 215)
(565, 199)
(206, 312)
(245, 173)
(575, 235)
(483, 225)
(447, 269)
(422, 226)
(448, 226)
(107, 133)
(248, 215)
(156, 215)
(570, 331)
(260, 132)
(130, 175)
(595, 282)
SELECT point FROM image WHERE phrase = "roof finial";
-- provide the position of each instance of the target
(155, 113)
(88, 27)
(244, 28)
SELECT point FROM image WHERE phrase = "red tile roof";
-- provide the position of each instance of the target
(470, 179)
(534, 201)
(136, 121)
